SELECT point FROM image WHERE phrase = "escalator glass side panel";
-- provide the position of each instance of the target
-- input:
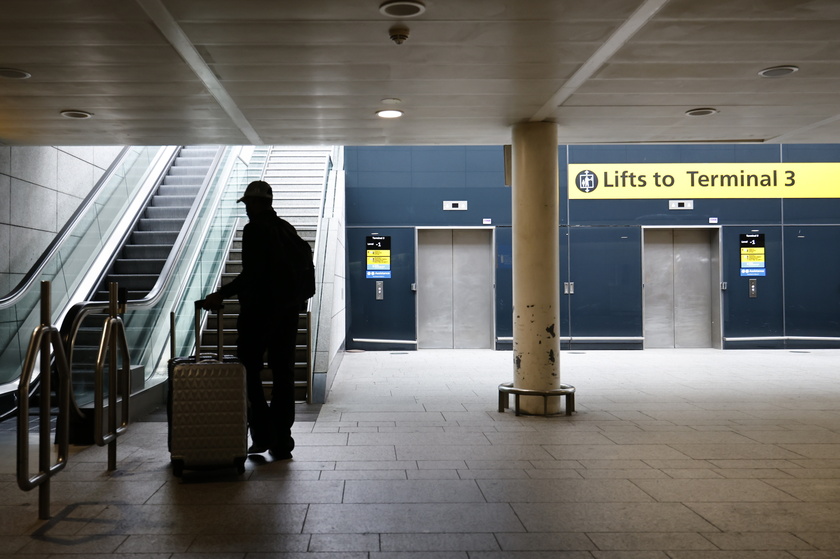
(70, 260)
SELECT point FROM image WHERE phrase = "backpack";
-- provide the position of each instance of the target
(299, 259)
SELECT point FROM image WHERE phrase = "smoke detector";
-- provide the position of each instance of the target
(398, 34)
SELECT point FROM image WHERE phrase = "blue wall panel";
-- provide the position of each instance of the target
(606, 267)
(762, 315)
(393, 317)
(812, 294)
(400, 188)
(504, 283)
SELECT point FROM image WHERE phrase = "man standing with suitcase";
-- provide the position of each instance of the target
(268, 319)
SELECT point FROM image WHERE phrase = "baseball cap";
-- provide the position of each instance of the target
(257, 189)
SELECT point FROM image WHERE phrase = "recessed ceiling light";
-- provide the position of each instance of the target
(778, 71)
(75, 113)
(14, 74)
(703, 111)
(391, 101)
(402, 8)
(389, 113)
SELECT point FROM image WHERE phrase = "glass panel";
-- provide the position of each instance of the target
(75, 254)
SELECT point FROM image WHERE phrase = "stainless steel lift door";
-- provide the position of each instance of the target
(678, 288)
(454, 288)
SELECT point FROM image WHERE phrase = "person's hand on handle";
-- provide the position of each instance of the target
(212, 302)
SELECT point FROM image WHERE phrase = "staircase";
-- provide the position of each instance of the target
(140, 261)
(296, 175)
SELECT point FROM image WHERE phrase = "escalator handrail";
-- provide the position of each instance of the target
(35, 270)
(77, 313)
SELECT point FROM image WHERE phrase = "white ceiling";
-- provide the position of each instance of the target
(315, 71)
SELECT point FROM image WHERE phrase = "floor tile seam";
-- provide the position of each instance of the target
(192, 541)
(713, 545)
(802, 535)
(799, 499)
(793, 535)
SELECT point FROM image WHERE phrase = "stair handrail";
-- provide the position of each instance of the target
(44, 337)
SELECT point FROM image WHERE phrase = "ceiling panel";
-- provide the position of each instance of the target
(315, 72)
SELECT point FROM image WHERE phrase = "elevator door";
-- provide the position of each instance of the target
(454, 288)
(678, 269)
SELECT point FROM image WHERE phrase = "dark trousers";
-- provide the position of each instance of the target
(273, 334)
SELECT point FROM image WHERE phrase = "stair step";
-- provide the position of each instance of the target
(154, 238)
(135, 282)
(172, 201)
(137, 266)
(160, 224)
(189, 190)
(167, 212)
(146, 251)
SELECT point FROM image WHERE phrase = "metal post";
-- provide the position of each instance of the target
(119, 380)
(113, 388)
(39, 348)
(45, 392)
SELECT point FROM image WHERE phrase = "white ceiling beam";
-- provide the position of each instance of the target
(624, 33)
(181, 43)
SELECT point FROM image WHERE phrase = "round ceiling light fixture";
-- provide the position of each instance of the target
(702, 111)
(14, 74)
(402, 8)
(778, 71)
(75, 113)
(389, 113)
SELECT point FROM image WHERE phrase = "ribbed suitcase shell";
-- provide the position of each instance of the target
(209, 415)
(208, 411)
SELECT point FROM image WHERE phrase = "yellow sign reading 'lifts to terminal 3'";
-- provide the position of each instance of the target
(703, 180)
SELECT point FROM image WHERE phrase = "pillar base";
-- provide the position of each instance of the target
(506, 389)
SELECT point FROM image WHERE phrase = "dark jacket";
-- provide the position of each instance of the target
(265, 282)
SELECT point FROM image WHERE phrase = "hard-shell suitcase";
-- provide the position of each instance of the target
(207, 410)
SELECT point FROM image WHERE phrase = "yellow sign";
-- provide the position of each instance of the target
(378, 259)
(752, 250)
(617, 181)
(379, 253)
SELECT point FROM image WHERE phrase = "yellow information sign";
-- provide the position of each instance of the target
(616, 181)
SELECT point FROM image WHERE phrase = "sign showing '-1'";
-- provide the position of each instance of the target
(378, 248)
(752, 255)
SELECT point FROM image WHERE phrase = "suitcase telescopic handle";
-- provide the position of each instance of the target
(220, 352)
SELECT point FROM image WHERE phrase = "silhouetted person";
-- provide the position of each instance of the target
(268, 320)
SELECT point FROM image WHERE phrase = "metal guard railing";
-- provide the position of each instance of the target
(44, 337)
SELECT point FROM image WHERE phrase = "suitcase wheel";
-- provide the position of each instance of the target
(178, 467)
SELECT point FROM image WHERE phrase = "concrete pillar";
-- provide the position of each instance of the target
(536, 259)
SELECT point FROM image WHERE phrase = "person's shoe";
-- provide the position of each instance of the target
(256, 449)
(280, 454)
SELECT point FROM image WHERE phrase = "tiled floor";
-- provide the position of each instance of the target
(681, 454)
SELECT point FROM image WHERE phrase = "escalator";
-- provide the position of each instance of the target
(126, 227)
(136, 268)
(161, 225)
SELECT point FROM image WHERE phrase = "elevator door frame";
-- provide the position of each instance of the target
(716, 270)
(492, 256)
